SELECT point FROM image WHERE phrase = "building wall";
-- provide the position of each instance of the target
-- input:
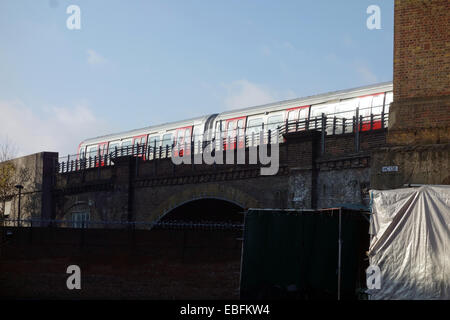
(421, 48)
(36, 173)
(419, 118)
(420, 113)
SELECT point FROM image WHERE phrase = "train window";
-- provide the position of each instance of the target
(254, 125)
(230, 129)
(92, 151)
(167, 140)
(82, 153)
(389, 99)
(328, 109)
(112, 147)
(142, 140)
(240, 127)
(304, 113)
(180, 137)
(126, 147)
(274, 122)
(365, 105)
(187, 135)
(292, 115)
(377, 104)
(197, 138)
(154, 141)
(346, 109)
(217, 131)
(197, 134)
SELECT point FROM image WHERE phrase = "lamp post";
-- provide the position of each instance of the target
(19, 187)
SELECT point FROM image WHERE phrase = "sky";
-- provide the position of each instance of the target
(137, 63)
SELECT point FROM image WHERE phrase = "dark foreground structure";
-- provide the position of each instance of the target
(306, 255)
(289, 254)
(172, 261)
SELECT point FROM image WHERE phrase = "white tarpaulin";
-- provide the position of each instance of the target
(410, 243)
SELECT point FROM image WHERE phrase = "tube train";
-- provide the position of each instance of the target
(368, 100)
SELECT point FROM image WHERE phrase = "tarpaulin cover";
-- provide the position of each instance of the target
(411, 243)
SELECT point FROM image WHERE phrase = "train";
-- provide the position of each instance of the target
(366, 101)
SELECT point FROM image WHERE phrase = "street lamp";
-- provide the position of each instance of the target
(19, 187)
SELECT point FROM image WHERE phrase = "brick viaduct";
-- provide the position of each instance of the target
(315, 172)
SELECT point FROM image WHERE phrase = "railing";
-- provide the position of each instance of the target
(328, 125)
(87, 224)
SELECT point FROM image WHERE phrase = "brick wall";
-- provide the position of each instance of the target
(421, 48)
(420, 113)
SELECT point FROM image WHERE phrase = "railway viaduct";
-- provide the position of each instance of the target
(315, 171)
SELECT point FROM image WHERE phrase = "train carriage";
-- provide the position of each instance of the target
(241, 128)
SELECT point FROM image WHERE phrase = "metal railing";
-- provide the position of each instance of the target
(87, 224)
(251, 137)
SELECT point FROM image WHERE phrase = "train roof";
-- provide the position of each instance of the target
(280, 105)
(149, 129)
(310, 100)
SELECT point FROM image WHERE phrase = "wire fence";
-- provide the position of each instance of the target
(223, 141)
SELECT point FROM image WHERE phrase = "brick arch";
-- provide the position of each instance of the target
(71, 206)
(199, 192)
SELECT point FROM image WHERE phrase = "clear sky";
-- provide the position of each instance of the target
(136, 63)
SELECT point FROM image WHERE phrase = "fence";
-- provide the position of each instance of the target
(143, 225)
(250, 137)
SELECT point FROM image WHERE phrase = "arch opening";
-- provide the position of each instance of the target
(210, 258)
(206, 210)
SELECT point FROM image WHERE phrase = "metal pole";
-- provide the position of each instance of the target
(324, 124)
(20, 195)
(339, 256)
(357, 124)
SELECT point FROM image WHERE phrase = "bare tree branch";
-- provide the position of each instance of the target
(8, 150)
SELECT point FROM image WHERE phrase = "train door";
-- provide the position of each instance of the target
(344, 113)
(153, 144)
(274, 123)
(234, 135)
(167, 143)
(296, 118)
(80, 152)
(113, 147)
(102, 150)
(365, 106)
(197, 139)
(376, 110)
(240, 126)
(139, 143)
(183, 141)
(254, 129)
